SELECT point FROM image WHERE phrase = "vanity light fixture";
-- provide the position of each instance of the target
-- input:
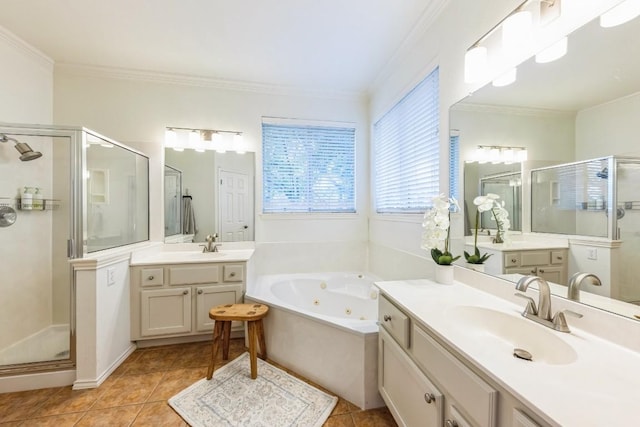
(499, 154)
(623, 12)
(553, 52)
(201, 140)
(485, 57)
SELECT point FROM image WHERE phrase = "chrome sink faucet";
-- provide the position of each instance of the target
(210, 246)
(573, 290)
(542, 313)
(544, 295)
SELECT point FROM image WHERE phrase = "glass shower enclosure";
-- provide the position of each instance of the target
(595, 198)
(65, 192)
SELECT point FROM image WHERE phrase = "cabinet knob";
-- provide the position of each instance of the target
(200, 291)
(429, 397)
(541, 271)
(559, 258)
(533, 271)
(513, 260)
(451, 423)
(150, 278)
(232, 274)
(387, 317)
(185, 292)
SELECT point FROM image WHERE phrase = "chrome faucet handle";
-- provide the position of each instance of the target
(531, 305)
(204, 248)
(560, 321)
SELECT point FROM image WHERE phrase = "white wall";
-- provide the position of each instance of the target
(136, 112)
(459, 24)
(26, 91)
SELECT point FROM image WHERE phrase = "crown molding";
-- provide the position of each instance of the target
(428, 17)
(510, 109)
(201, 81)
(27, 49)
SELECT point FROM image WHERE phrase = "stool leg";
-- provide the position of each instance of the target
(225, 342)
(263, 344)
(251, 326)
(217, 335)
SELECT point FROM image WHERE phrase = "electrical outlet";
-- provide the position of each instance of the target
(592, 253)
(111, 276)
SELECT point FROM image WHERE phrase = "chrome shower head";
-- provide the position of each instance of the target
(26, 152)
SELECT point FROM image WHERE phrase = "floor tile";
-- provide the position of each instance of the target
(380, 417)
(343, 420)
(67, 401)
(158, 414)
(64, 420)
(129, 389)
(121, 416)
(175, 381)
(137, 393)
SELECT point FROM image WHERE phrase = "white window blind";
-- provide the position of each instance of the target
(406, 151)
(308, 168)
(454, 166)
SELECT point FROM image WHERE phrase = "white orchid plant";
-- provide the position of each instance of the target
(498, 214)
(436, 229)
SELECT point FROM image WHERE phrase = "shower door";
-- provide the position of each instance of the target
(628, 227)
(35, 285)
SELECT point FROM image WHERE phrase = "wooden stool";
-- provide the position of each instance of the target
(223, 316)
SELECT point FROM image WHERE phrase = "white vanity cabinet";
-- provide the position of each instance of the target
(174, 299)
(550, 264)
(425, 384)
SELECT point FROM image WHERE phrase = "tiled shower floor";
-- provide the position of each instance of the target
(136, 394)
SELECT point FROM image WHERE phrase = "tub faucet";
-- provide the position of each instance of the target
(573, 290)
(542, 314)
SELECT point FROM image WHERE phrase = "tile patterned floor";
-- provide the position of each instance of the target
(136, 395)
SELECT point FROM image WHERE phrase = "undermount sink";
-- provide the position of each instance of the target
(503, 333)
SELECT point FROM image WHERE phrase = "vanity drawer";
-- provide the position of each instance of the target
(194, 274)
(151, 276)
(558, 257)
(528, 258)
(233, 273)
(512, 259)
(468, 390)
(394, 321)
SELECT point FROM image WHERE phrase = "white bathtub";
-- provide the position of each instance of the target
(323, 326)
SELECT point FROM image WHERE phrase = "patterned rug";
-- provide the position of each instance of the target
(231, 398)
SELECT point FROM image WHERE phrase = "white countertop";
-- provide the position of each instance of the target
(518, 245)
(191, 253)
(600, 388)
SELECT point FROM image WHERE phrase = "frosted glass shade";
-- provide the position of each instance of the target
(475, 64)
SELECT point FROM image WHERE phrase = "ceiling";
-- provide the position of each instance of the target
(332, 45)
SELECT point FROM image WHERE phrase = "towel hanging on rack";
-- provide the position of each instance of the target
(189, 219)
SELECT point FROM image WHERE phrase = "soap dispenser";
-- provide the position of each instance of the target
(26, 201)
(38, 202)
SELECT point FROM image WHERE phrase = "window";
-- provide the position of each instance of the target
(454, 164)
(308, 168)
(406, 151)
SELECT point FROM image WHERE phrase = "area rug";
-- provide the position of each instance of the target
(231, 398)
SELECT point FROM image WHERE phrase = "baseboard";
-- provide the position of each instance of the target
(85, 384)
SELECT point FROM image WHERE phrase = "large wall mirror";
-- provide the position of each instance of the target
(580, 109)
(209, 192)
